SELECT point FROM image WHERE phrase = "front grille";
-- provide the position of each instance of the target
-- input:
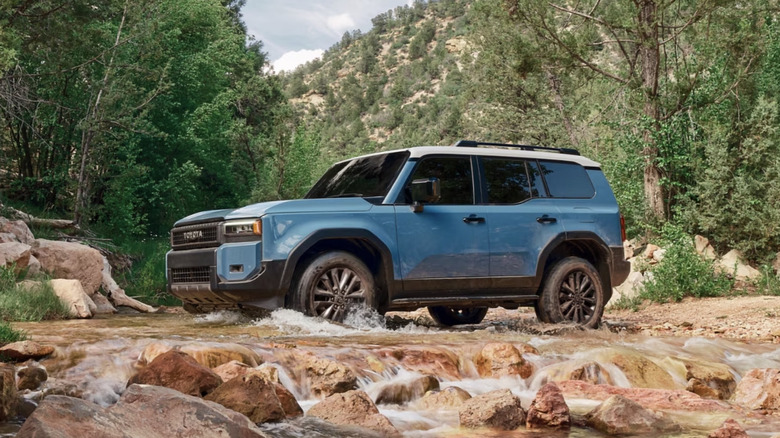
(195, 236)
(198, 274)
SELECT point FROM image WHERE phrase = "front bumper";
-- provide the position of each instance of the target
(193, 278)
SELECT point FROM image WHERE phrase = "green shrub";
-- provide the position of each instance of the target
(35, 303)
(8, 334)
(683, 272)
(146, 278)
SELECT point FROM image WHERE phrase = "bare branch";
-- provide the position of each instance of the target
(588, 16)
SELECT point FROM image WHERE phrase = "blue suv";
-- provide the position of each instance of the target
(458, 229)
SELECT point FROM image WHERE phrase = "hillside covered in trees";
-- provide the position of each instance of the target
(128, 116)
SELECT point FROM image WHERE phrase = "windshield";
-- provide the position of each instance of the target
(362, 177)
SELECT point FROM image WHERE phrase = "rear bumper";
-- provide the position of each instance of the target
(192, 277)
(620, 267)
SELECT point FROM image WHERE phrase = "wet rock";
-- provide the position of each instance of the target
(498, 409)
(733, 263)
(704, 248)
(25, 350)
(498, 359)
(759, 389)
(729, 429)
(72, 261)
(286, 398)
(15, 231)
(649, 398)
(618, 415)
(447, 398)
(8, 394)
(31, 377)
(138, 413)
(548, 409)
(102, 305)
(426, 360)
(60, 387)
(231, 370)
(327, 377)
(641, 371)
(73, 296)
(707, 379)
(210, 355)
(267, 372)
(353, 408)
(252, 396)
(179, 371)
(15, 254)
(400, 393)
(590, 372)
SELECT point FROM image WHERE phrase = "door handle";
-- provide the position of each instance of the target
(546, 220)
(474, 219)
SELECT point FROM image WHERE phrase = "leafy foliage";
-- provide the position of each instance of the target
(27, 303)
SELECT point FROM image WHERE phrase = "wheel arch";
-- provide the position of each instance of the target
(586, 245)
(359, 242)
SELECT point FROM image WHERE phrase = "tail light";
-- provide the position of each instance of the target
(623, 228)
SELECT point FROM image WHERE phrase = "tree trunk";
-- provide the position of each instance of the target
(555, 86)
(651, 60)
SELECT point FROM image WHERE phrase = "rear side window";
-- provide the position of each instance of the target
(566, 180)
(506, 180)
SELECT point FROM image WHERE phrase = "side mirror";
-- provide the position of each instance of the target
(425, 191)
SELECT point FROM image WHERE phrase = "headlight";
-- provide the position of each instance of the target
(244, 228)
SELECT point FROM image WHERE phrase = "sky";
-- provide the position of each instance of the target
(296, 31)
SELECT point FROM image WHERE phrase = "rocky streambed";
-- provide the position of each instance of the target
(286, 375)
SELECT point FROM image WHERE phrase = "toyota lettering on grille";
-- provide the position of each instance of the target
(192, 235)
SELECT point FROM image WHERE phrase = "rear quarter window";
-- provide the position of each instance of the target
(566, 180)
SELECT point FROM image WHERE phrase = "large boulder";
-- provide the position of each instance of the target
(729, 429)
(15, 231)
(649, 398)
(179, 371)
(8, 394)
(327, 377)
(142, 411)
(640, 371)
(451, 397)
(591, 372)
(15, 254)
(629, 289)
(286, 398)
(618, 415)
(400, 393)
(709, 379)
(733, 263)
(759, 389)
(353, 408)
(434, 361)
(208, 354)
(31, 377)
(498, 359)
(25, 350)
(499, 409)
(252, 396)
(548, 409)
(72, 261)
(73, 296)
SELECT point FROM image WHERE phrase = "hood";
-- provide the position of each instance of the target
(327, 205)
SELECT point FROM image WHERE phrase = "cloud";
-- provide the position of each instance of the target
(290, 60)
(340, 23)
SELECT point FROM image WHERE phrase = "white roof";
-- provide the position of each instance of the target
(420, 151)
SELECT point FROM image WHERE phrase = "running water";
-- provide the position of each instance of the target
(100, 355)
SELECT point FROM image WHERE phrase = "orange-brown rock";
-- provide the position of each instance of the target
(618, 415)
(499, 409)
(8, 394)
(548, 409)
(400, 393)
(252, 396)
(447, 398)
(649, 398)
(498, 359)
(31, 377)
(353, 408)
(72, 261)
(179, 371)
(25, 350)
(729, 429)
(759, 389)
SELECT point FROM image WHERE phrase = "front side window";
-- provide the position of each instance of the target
(566, 180)
(506, 180)
(454, 174)
(362, 177)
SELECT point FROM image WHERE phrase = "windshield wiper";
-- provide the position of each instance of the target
(347, 195)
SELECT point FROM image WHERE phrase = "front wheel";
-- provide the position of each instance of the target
(456, 316)
(334, 284)
(573, 292)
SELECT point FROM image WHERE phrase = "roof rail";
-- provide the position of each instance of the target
(476, 144)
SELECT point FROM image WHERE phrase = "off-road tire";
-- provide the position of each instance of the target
(449, 316)
(573, 293)
(332, 284)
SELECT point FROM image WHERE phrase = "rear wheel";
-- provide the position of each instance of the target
(456, 316)
(334, 284)
(573, 292)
